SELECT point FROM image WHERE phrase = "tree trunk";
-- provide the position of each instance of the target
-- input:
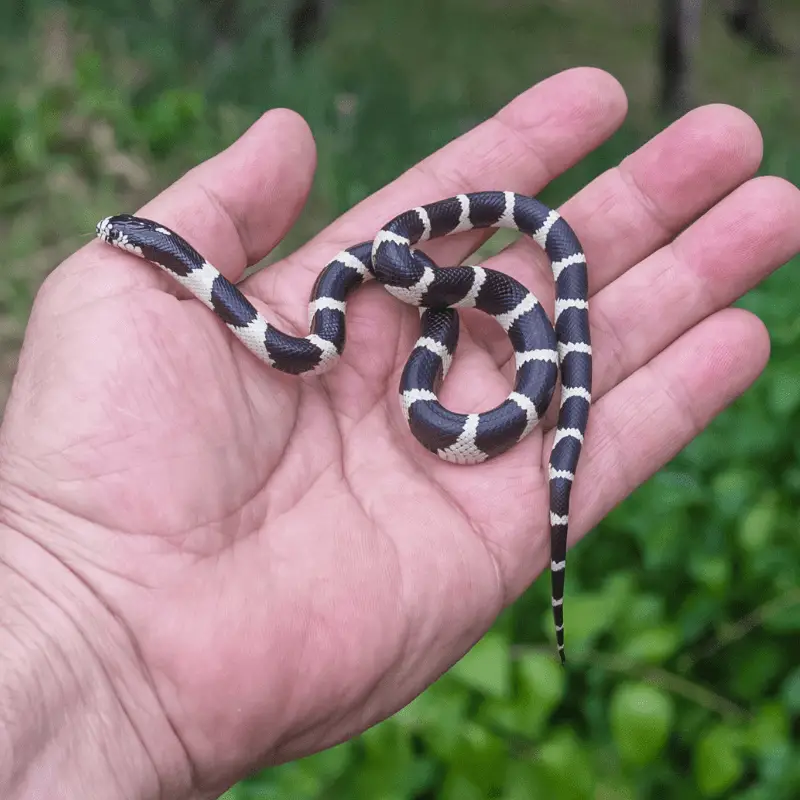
(679, 32)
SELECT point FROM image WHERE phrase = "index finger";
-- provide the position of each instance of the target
(531, 140)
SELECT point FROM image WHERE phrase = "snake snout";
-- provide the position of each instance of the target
(103, 229)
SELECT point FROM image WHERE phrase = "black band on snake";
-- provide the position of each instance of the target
(540, 348)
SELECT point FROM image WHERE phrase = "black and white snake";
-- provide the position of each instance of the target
(541, 348)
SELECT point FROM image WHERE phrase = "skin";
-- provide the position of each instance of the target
(207, 566)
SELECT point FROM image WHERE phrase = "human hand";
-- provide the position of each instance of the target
(258, 566)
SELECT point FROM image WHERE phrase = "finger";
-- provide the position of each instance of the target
(525, 145)
(233, 208)
(238, 205)
(645, 421)
(636, 207)
(712, 264)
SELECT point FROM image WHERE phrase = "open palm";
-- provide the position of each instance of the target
(274, 562)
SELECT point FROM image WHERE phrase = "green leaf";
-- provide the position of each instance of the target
(718, 763)
(264, 785)
(641, 718)
(654, 646)
(329, 764)
(786, 620)
(543, 679)
(480, 757)
(486, 666)
(586, 616)
(790, 691)
(777, 764)
(733, 490)
(458, 787)
(697, 610)
(510, 717)
(389, 768)
(756, 793)
(437, 715)
(769, 727)
(754, 669)
(711, 571)
(541, 688)
(523, 781)
(758, 525)
(784, 390)
(565, 764)
(677, 489)
(294, 780)
(613, 790)
(643, 611)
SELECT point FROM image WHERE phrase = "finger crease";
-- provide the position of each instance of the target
(238, 228)
(646, 202)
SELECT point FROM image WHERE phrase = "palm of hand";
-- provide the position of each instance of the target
(247, 496)
(288, 564)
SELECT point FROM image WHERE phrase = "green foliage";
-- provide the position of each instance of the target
(641, 718)
(683, 607)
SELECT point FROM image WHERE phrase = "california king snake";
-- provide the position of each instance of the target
(409, 275)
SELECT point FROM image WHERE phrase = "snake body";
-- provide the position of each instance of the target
(540, 348)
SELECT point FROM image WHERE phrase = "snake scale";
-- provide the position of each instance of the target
(541, 348)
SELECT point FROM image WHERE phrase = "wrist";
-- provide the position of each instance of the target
(75, 718)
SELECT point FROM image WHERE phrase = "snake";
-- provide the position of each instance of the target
(541, 349)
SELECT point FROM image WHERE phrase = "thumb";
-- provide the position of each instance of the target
(233, 208)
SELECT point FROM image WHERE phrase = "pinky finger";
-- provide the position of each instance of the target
(646, 420)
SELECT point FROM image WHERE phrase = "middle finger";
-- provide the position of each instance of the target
(631, 210)
(709, 266)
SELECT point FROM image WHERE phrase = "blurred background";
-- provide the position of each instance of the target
(684, 605)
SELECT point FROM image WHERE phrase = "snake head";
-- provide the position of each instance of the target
(121, 231)
(105, 229)
(112, 229)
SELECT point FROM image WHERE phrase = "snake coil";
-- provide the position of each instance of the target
(540, 347)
